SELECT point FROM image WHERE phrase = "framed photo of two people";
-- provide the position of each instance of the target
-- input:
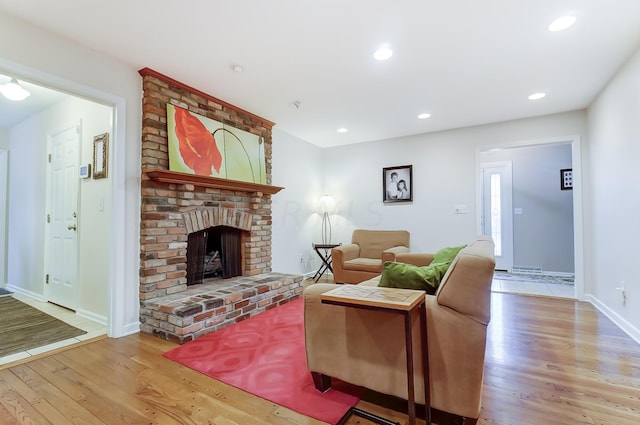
(397, 184)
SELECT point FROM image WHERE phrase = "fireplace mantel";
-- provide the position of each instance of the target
(167, 176)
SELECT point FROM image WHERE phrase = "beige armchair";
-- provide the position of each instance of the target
(367, 348)
(363, 258)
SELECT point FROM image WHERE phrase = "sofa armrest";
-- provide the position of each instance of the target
(343, 253)
(367, 348)
(417, 259)
(361, 346)
(391, 253)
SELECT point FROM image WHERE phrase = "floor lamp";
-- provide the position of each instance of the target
(326, 205)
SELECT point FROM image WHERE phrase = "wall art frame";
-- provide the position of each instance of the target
(566, 179)
(207, 147)
(397, 184)
(100, 156)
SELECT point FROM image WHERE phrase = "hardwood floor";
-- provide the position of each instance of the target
(548, 361)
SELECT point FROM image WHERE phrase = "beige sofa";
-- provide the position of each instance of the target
(363, 258)
(367, 348)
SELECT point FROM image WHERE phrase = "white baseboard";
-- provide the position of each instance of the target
(131, 328)
(618, 320)
(311, 274)
(22, 291)
(92, 316)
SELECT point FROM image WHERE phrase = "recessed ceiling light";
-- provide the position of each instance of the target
(237, 68)
(537, 96)
(342, 130)
(562, 23)
(383, 53)
(424, 116)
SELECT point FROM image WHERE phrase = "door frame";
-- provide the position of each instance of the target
(507, 240)
(120, 294)
(49, 201)
(4, 189)
(582, 284)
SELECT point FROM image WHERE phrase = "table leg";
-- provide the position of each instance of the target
(411, 401)
(326, 264)
(425, 363)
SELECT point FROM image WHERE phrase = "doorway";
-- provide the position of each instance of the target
(60, 225)
(536, 203)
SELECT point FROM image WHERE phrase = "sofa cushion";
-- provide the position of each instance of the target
(408, 276)
(373, 265)
(373, 242)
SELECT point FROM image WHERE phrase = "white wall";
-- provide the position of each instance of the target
(298, 167)
(28, 207)
(46, 58)
(4, 138)
(614, 227)
(444, 174)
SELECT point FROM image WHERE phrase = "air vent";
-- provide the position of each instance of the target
(526, 270)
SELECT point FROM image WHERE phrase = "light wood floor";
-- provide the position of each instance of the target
(549, 361)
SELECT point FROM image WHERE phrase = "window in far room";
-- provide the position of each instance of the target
(496, 213)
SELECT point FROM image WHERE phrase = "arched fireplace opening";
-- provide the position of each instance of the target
(214, 253)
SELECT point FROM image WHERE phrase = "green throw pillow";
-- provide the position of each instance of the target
(427, 278)
(408, 276)
(447, 255)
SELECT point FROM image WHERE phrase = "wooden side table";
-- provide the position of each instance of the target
(393, 300)
(325, 256)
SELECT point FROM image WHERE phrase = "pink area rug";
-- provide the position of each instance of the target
(265, 356)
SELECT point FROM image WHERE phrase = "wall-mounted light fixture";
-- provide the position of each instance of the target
(14, 91)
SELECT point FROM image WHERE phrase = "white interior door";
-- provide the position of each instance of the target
(63, 220)
(497, 210)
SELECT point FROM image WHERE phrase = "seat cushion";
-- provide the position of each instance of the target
(373, 265)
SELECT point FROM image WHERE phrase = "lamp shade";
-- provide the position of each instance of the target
(327, 203)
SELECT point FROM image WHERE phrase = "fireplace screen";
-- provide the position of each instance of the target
(213, 253)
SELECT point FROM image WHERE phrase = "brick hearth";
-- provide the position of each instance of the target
(216, 304)
(170, 211)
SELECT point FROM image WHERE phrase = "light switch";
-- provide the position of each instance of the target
(461, 209)
(101, 204)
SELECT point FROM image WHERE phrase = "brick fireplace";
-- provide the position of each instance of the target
(175, 205)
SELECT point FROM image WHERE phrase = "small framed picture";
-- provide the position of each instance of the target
(100, 155)
(566, 179)
(397, 184)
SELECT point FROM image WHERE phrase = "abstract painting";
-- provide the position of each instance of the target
(203, 146)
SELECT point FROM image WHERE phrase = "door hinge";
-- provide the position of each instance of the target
(49, 158)
(46, 279)
(48, 218)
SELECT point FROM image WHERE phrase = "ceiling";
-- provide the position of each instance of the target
(466, 62)
(11, 112)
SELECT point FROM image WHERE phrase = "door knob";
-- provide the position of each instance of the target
(71, 227)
